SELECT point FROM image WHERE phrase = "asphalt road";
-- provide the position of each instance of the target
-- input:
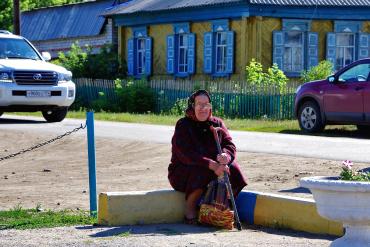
(333, 148)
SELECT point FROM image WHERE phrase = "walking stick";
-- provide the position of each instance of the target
(226, 177)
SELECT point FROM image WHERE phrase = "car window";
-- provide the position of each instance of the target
(357, 73)
(17, 49)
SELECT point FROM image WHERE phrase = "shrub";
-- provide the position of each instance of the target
(104, 65)
(320, 71)
(179, 107)
(254, 73)
(135, 96)
(75, 60)
(102, 103)
(82, 63)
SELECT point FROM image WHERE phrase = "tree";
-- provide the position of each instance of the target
(6, 15)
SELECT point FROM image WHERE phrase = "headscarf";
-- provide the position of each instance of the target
(190, 112)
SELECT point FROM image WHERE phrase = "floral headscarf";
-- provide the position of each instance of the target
(190, 112)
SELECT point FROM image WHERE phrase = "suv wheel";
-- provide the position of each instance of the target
(363, 128)
(55, 115)
(309, 117)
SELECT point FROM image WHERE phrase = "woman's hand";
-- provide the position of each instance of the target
(221, 169)
(223, 159)
(218, 169)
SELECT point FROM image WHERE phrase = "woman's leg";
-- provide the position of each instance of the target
(191, 211)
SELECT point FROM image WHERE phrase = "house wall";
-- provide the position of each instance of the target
(64, 45)
(253, 39)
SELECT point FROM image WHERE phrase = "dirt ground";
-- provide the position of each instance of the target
(56, 176)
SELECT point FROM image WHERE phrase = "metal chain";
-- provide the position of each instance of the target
(43, 143)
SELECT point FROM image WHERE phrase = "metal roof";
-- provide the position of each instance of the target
(314, 2)
(135, 6)
(67, 21)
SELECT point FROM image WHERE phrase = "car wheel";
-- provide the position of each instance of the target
(363, 128)
(55, 115)
(309, 118)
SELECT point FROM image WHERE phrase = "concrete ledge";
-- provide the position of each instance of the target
(167, 206)
(141, 207)
(280, 211)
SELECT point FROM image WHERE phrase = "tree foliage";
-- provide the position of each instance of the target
(318, 72)
(6, 6)
(256, 76)
(82, 63)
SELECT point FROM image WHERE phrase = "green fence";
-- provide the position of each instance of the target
(229, 98)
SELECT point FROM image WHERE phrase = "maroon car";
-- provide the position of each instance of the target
(342, 98)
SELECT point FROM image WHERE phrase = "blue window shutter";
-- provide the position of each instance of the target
(130, 57)
(171, 54)
(148, 56)
(208, 53)
(331, 47)
(312, 45)
(363, 45)
(191, 53)
(278, 49)
(230, 52)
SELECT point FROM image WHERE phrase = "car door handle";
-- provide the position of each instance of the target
(359, 88)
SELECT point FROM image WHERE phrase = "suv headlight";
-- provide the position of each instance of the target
(6, 76)
(64, 77)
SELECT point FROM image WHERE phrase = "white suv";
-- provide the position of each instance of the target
(29, 83)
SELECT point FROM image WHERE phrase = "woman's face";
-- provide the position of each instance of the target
(202, 107)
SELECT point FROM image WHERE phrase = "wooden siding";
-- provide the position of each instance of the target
(322, 28)
(253, 39)
(268, 25)
(366, 27)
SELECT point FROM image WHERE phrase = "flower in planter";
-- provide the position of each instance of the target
(349, 174)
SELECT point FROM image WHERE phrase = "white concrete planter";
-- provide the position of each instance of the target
(344, 201)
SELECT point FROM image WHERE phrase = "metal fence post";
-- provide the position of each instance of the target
(91, 160)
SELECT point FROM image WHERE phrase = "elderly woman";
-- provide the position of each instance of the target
(195, 160)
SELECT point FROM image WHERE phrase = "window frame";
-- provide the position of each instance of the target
(175, 66)
(309, 53)
(360, 42)
(343, 49)
(182, 47)
(142, 58)
(292, 47)
(210, 53)
(223, 47)
(134, 55)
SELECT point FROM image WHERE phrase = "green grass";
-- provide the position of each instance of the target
(259, 125)
(19, 218)
(233, 124)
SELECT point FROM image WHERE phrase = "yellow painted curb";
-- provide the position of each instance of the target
(141, 207)
(292, 213)
(168, 206)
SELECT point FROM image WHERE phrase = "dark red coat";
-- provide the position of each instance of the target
(193, 146)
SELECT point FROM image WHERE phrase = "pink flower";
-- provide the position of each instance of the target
(347, 164)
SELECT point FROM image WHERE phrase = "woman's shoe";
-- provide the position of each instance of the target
(192, 221)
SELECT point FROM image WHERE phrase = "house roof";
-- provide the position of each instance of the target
(141, 6)
(313, 2)
(66, 21)
(137, 6)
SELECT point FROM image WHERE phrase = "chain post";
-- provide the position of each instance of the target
(92, 163)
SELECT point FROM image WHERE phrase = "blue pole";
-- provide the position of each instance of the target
(91, 158)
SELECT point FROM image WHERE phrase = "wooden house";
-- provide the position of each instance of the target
(209, 39)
